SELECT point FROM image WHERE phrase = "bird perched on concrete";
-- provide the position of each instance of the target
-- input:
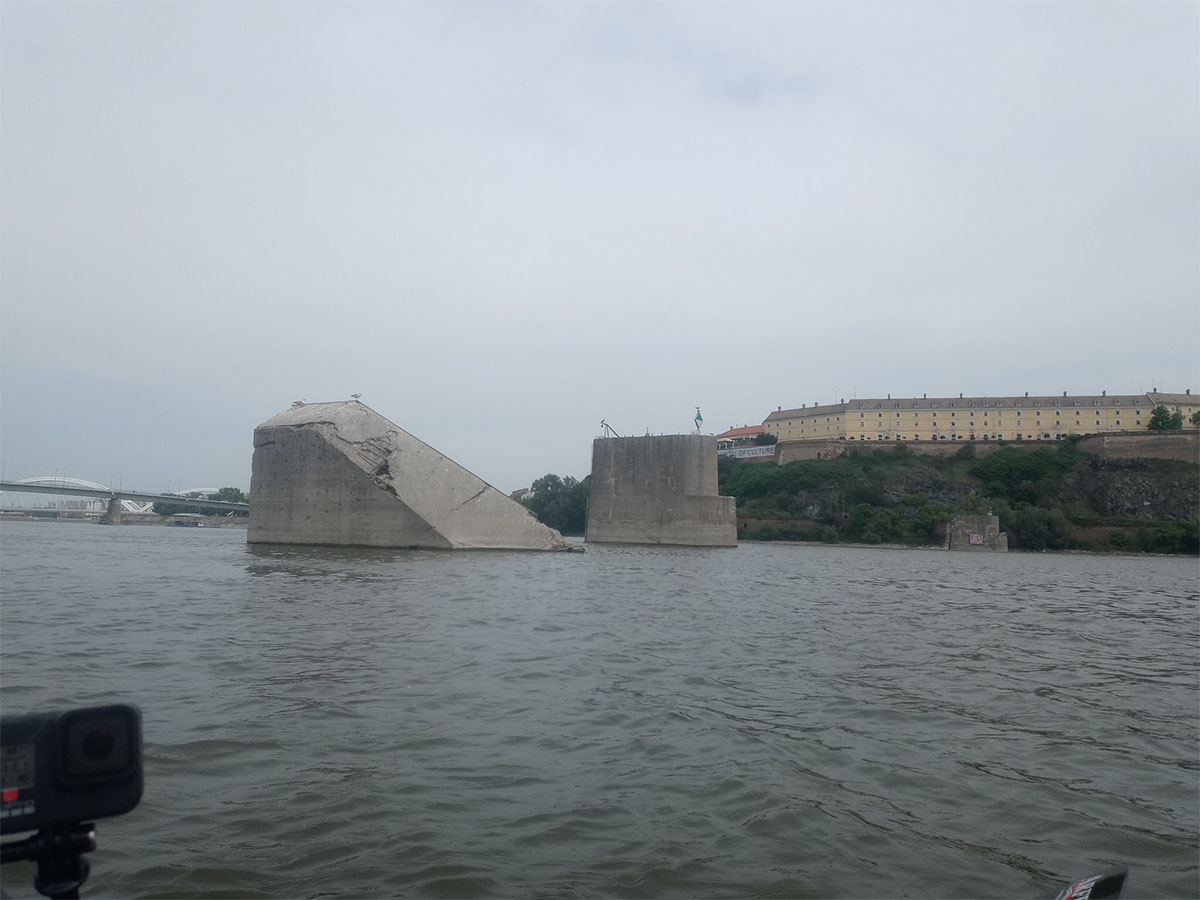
(296, 403)
(356, 396)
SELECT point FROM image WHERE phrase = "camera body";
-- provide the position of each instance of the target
(68, 767)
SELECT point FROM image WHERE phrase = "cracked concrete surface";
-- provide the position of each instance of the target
(340, 473)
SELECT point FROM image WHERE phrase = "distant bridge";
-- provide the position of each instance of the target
(131, 501)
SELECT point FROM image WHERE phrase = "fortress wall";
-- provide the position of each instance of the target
(1181, 445)
(658, 490)
(790, 451)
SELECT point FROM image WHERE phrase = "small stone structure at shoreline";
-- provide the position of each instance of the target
(976, 533)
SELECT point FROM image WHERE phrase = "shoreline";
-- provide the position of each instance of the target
(146, 520)
(1069, 552)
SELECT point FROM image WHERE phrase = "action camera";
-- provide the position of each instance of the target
(68, 767)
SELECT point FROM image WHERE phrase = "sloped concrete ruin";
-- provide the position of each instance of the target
(341, 474)
(658, 489)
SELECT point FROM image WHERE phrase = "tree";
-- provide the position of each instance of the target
(559, 502)
(229, 495)
(1162, 419)
(765, 439)
(1194, 418)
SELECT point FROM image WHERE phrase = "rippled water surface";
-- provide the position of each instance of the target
(773, 720)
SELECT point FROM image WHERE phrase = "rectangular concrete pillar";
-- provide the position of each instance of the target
(658, 490)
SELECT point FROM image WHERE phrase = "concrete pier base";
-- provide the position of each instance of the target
(112, 515)
(341, 474)
(658, 490)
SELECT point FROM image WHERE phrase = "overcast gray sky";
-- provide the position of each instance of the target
(503, 222)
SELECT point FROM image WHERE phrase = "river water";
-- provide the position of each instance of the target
(768, 721)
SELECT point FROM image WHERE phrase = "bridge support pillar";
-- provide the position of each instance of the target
(113, 514)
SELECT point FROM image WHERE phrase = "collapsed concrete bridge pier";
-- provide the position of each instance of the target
(341, 474)
(658, 489)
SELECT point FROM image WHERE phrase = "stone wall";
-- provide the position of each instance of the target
(658, 490)
(790, 451)
(1181, 445)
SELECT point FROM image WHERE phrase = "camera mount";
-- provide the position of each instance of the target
(58, 851)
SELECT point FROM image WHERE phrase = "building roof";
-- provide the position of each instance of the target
(1082, 401)
(744, 431)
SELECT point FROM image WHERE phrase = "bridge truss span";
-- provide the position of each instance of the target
(64, 481)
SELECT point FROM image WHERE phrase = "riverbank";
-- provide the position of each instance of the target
(152, 520)
(1054, 498)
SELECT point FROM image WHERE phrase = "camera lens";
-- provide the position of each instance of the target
(98, 743)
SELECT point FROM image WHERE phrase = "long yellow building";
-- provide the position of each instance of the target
(975, 418)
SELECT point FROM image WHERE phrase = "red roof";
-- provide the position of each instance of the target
(745, 431)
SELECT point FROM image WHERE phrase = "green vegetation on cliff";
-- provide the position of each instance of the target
(1050, 498)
